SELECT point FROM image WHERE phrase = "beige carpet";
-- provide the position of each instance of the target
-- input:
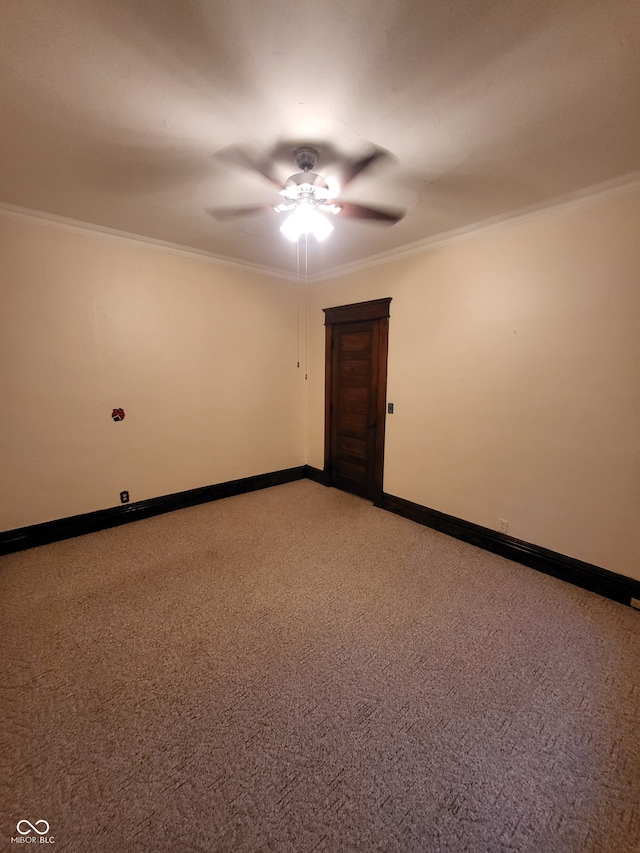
(295, 670)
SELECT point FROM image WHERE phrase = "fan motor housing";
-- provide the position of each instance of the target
(306, 158)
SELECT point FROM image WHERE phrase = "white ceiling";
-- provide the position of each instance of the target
(112, 111)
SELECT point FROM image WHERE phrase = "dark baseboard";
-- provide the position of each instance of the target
(606, 583)
(65, 528)
(317, 475)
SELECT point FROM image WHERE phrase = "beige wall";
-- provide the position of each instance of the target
(514, 367)
(514, 358)
(202, 358)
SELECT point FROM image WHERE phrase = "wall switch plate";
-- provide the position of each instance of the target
(504, 524)
(390, 408)
(124, 497)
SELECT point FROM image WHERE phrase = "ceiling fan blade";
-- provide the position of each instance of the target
(223, 214)
(373, 214)
(354, 168)
(239, 157)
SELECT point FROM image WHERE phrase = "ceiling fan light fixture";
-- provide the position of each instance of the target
(308, 198)
(306, 219)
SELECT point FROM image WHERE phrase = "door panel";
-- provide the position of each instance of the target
(354, 368)
(356, 342)
(356, 395)
(354, 372)
(352, 471)
(352, 423)
(349, 447)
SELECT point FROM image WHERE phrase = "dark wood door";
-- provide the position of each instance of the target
(356, 396)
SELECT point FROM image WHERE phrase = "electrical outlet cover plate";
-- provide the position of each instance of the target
(504, 525)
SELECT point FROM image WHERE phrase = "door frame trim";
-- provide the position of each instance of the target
(375, 309)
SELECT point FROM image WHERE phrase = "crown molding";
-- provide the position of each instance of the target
(10, 211)
(608, 189)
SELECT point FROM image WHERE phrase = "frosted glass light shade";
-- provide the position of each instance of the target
(305, 219)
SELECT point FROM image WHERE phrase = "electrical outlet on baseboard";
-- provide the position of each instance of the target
(504, 524)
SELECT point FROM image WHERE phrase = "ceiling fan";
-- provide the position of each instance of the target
(307, 197)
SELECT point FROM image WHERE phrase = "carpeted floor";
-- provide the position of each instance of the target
(295, 670)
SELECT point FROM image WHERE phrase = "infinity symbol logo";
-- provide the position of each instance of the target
(32, 827)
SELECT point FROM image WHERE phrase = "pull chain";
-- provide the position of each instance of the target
(306, 305)
(298, 311)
